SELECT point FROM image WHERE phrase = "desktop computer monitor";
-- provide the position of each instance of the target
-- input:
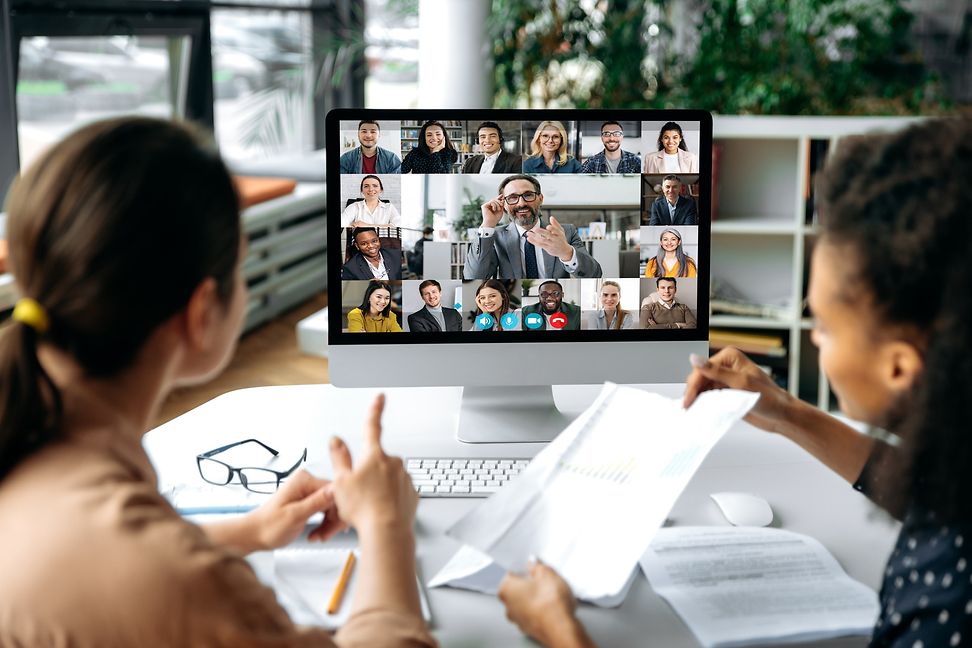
(510, 250)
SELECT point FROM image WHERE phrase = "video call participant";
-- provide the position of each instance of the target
(524, 248)
(369, 157)
(374, 315)
(552, 302)
(371, 210)
(610, 315)
(493, 299)
(612, 159)
(371, 261)
(433, 317)
(671, 260)
(434, 152)
(672, 208)
(493, 159)
(673, 155)
(548, 151)
(93, 555)
(667, 313)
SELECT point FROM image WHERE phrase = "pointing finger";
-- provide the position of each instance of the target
(373, 424)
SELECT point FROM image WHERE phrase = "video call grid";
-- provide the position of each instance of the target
(472, 140)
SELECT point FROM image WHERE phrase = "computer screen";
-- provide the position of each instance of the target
(503, 248)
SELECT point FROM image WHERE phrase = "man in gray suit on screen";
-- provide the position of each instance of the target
(524, 248)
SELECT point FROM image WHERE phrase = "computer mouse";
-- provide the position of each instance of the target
(743, 509)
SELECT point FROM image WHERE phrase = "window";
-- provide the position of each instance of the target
(262, 81)
(65, 82)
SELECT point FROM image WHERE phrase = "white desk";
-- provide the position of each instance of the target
(806, 497)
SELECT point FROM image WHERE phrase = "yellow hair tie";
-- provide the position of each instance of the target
(29, 312)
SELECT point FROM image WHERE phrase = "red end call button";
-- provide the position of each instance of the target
(558, 320)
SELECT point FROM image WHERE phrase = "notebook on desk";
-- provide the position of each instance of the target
(304, 579)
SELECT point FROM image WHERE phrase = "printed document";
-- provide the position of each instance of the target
(471, 570)
(740, 586)
(589, 504)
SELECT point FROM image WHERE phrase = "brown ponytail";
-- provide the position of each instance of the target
(110, 231)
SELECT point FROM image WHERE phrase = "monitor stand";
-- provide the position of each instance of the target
(509, 415)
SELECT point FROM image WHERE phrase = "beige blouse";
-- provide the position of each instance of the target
(92, 555)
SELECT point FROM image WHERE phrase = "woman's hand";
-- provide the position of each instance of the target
(542, 606)
(378, 491)
(281, 519)
(733, 369)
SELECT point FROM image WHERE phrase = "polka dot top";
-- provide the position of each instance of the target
(926, 596)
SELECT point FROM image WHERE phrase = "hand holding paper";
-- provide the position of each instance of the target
(624, 462)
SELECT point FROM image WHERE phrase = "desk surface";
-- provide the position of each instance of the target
(805, 496)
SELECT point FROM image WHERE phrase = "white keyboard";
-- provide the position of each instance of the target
(461, 476)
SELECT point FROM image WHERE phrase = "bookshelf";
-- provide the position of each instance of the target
(764, 232)
(444, 259)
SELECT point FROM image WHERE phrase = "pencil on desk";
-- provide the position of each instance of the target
(342, 584)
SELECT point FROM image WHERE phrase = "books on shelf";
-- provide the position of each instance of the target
(726, 298)
(769, 311)
(757, 343)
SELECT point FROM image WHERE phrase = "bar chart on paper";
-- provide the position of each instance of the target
(617, 470)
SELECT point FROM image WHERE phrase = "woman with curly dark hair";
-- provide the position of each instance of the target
(891, 293)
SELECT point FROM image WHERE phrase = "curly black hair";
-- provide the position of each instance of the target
(901, 204)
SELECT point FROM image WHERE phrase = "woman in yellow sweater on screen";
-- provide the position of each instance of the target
(671, 260)
(374, 314)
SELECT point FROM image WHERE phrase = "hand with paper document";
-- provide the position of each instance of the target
(604, 466)
(541, 604)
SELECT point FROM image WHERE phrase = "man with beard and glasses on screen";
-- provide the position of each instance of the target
(557, 316)
(524, 248)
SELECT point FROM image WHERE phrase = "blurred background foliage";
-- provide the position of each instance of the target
(729, 56)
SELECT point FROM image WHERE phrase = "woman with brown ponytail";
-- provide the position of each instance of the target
(125, 242)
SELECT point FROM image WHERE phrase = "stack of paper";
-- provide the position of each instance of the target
(589, 504)
(741, 586)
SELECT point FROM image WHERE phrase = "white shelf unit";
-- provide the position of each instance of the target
(286, 261)
(761, 240)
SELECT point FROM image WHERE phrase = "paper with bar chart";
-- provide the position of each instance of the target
(590, 503)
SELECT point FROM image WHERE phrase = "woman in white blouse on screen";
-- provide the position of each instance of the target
(371, 211)
(672, 155)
